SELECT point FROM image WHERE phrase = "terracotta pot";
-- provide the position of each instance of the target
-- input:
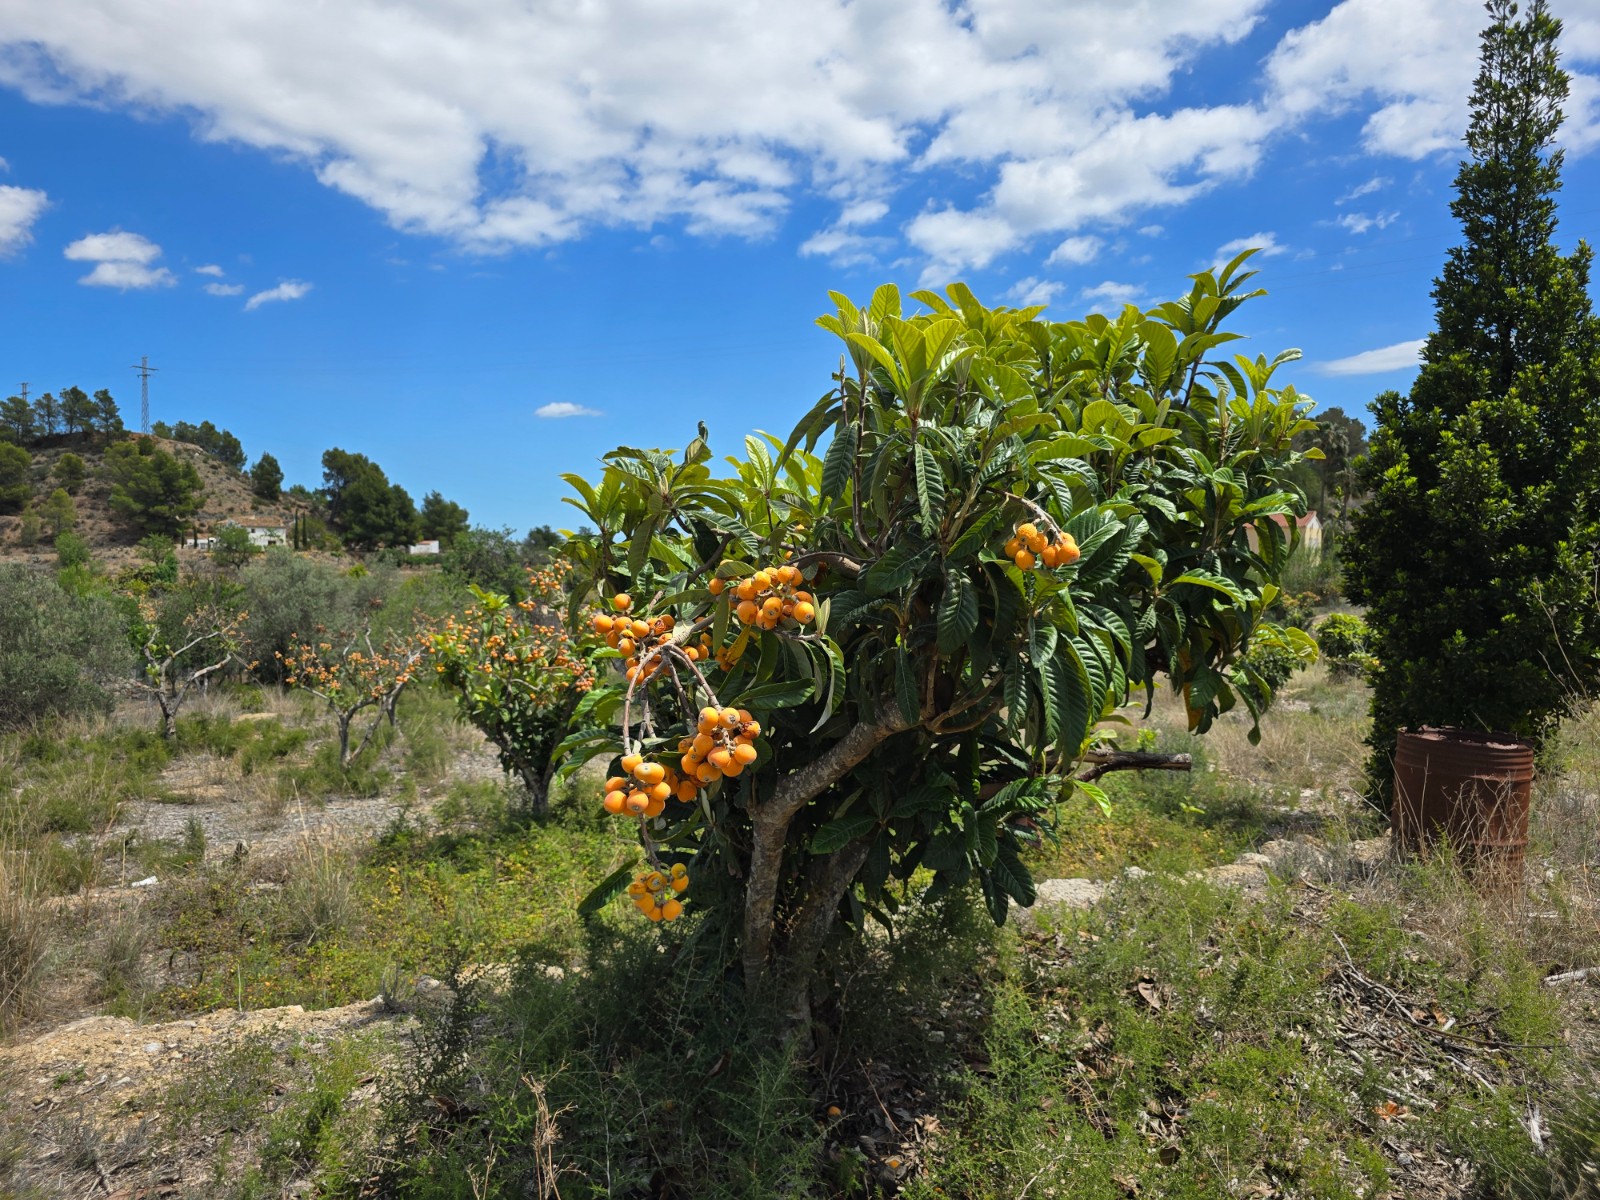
(1470, 788)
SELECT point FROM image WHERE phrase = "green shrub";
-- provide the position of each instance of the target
(69, 473)
(1346, 644)
(59, 653)
(71, 551)
(286, 594)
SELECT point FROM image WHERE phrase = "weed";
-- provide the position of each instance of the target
(318, 897)
(228, 1096)
(117, 960)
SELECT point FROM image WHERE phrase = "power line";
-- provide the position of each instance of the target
(145, 369)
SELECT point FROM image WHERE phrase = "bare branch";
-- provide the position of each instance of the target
(1105, 761)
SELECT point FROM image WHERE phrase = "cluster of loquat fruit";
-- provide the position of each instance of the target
(636, 638)
(655, 893)
(770, 597)
(722, 746)
(1029, 547)
(646, 793)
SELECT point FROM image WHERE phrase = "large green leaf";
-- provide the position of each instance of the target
(610, 886)
(838, 463)
(958, 611)
(930, 489)
(840, 832)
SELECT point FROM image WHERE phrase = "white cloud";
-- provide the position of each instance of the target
(841, 244)
(1109, 297)
(500, 123)
(1152, 230)
(1416, 62)
(128, 276)
(224, 289)
(210, 269)
(1376, 183)
(113, 247)
(1076, 251)
(843, 248)
(1266, 243)
(565, 408)
(1030, 291)
(19, 209)
(1111, 168)
(289, 289)
(1374, 362)
(1361, 222)
(863, 212)
(122, 260)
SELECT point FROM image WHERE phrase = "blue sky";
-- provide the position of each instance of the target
(405, 228)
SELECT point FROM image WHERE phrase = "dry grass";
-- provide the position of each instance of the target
(28, 940)
(1311, 739)
(318, 897)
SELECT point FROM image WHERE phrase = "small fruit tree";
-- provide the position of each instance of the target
(351, 673)
(516, 674)
(179, 657)
(840, 669)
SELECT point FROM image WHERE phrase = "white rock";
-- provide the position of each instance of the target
(1053, 894)
(149, 882)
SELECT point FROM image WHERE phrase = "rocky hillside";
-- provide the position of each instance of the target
(227, 498)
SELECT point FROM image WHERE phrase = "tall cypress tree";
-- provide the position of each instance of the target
(1476, 554)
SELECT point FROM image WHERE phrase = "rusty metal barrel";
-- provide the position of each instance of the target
(1471, 789)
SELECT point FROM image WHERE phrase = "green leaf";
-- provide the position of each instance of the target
(976, 536)
(1211, 580)
(930, 489)
(768, 696)
(897, 568)
(924, 797)
(1011, 876)
(840, 832)
(905, 687)
(839, 463)
(946, 851)
(958, 612)
(602, 892)
(639, 546)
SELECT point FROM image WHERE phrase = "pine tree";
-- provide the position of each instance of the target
(106, 417)
(16, 420)
(1477, 550)
(266, 478)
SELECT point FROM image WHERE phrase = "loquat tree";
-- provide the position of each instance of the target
(838, 670)
(350, 674)
(516, 675)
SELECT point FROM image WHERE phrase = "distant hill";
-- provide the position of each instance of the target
(227, 498)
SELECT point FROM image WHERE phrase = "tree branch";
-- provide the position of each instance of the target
(842, 563)
(770, 822)
(1105, 761)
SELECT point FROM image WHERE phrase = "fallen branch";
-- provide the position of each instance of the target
(1577, 976)
(1103, 762)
